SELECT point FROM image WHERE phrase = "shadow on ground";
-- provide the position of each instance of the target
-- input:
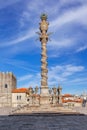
(44, 122)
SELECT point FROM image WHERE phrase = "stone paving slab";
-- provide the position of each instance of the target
(43, 122)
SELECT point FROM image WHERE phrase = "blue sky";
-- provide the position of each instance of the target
(67, 50)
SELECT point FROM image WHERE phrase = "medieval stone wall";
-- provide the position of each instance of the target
(7, 84)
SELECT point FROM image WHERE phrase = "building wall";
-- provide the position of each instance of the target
(72, 104)
(7, 84)
(18, 99)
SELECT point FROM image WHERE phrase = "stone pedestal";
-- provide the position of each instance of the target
(44, 100)
(44, 91)
(44, 95)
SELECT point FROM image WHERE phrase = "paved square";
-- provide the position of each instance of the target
(47, 122)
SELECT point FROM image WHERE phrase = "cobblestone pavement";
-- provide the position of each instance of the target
(47, 122)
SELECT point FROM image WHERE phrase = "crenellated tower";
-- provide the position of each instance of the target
(7, 84)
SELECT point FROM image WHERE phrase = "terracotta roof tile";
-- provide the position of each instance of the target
(74, 100)
(67, 95)
(20, 90)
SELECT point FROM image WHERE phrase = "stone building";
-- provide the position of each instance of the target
(24, 96)
(7, 84)
(19, 97)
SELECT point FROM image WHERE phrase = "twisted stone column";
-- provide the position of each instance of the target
(44, 69)
(44, 39)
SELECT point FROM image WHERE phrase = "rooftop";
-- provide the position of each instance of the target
(20, 90)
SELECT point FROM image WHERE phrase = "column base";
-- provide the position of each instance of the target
(44, 95)
(44, 100)
(44, 91)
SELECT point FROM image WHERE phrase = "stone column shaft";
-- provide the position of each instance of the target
(43, 40)
(44, 69)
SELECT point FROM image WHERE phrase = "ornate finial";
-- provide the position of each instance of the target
(54, 90)
(36, 89)
(43, 16)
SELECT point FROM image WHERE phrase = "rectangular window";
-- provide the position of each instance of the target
(18, 97)
(6, 85)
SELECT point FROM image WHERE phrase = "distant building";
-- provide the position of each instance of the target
(68, 99)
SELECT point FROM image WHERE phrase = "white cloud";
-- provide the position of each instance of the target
(75, 15)
(26, 77)
(81, 48)
(79, 80)
(56, 74)
(63, 2)
(29, 34)
(70, 70)
(5, 3)
(22, 65)
(58, 47)
(29, 80)
(66, 43)
(60, 73)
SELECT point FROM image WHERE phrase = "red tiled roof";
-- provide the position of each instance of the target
(20, 90)
(74, 100)
(67, 95)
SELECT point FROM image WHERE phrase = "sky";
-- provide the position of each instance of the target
(20, 48)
